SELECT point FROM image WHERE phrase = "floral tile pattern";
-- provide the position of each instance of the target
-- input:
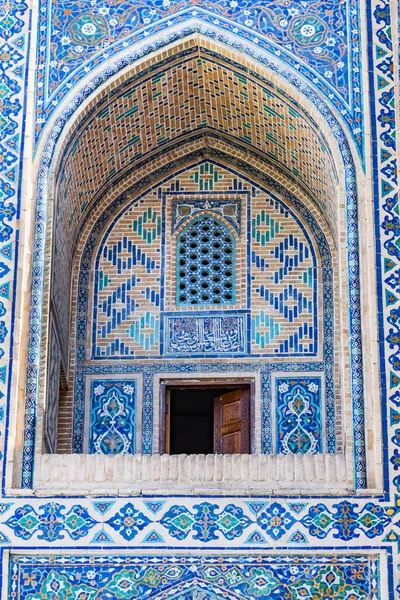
(320, 41)
(298, 415)
(112, 417)
(51, 522)
(196, 577)
(202, 524)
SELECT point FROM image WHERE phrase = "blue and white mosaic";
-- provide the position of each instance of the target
(191, 335)
(112, 415)
(322, 43)
(298, 415)
(197, 522)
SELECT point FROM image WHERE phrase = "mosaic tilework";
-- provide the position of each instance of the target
(127, 284)
(284, 295)
(112, 416)
(298, 408)
(114, 129)
(112, 139)
(195, 577)
(185, 182)
(149, 370)
(204, 522)
(319, 40)
(354, 313)
(51, 522)
(199, 335)
(14, 49)
(183, 210)
(350, 518)
(284, 299)
(320, 519)
(387, 216)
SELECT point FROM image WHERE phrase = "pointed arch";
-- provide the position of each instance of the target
(50, 162)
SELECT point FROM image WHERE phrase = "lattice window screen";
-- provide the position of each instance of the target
(205, 263)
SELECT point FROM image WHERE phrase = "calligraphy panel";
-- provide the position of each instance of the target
(203, 334)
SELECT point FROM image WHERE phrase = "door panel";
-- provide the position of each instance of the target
(231, 422)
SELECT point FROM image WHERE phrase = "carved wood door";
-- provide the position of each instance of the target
(232, 422)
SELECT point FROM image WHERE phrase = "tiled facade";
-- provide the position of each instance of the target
(87, 172)
(133, 312)
(242, 576)
(272, 248)
(125, 142)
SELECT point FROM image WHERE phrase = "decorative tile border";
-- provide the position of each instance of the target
(14, 59)
(196, 576)
(192, 522)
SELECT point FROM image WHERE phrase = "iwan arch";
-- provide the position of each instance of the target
(203, 233)
(180, 111)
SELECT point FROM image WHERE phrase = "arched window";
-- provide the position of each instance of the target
(205, 263)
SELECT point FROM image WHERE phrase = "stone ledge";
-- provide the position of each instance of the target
(134, 474)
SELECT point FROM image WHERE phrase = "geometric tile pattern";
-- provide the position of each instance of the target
(127, 284)
(386, 189)
(356, 362)
(129, 287)
(112, 417)
(195, 577)
(111, 140)
(369, 524)
(319, 40)
(299, 415)
(354, 320)
(194, 334)
(205, 263)
(284, 295)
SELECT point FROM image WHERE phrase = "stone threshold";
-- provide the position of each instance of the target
(97, 474)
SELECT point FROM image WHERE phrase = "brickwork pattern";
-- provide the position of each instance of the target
(319, 41)
(112, 139)
(126, 305)
(284, 280)
(276, 275)
(53, 386)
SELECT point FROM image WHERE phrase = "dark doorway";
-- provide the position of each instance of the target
(192, 420)
(207, 419)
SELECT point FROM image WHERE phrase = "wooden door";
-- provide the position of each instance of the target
(232, 422)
